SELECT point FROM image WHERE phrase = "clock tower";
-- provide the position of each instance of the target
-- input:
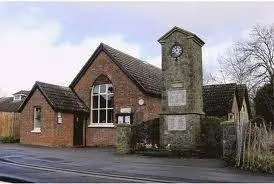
(182, 103)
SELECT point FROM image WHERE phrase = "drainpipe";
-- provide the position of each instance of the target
(85, 132)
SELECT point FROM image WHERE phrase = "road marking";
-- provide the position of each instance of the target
(91, 174)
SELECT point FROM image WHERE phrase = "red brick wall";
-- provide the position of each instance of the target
(64, 130)
(126, 94)
(50, 135)
(101, 137)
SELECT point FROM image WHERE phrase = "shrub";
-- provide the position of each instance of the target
(211, 135)
(144, 134)
(257, 155)
(264, 103)
(9, 139)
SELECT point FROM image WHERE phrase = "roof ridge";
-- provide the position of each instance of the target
(122, 52)
(60, 98)
(22, 91)
(188, 33)
(39, 82)
(220, 84)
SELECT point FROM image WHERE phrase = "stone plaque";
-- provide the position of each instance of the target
(177, 85)
(125, 110)
(176, 122)
(176, 97)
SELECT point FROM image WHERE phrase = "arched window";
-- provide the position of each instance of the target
(102, 102)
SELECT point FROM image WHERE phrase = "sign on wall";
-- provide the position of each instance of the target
(176, 122)
(176, 97)
(120, 119)
(124, 118)
(125, 110)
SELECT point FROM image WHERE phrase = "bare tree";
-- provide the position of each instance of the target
(251, 61)
(259, 51)
(234, 67)
(209, 79)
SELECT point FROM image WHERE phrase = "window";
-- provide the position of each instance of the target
(37, 119)
(59, 117)
(102, 103)
(17, 98)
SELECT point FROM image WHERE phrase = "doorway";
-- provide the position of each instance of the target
(78, 130)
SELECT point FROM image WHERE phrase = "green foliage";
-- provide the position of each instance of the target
(211, 134)
(264, 103)
(9, 139)
(263, 163)
(145, 133)
(230, 155)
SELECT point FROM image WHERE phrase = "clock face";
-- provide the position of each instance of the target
(176, 50)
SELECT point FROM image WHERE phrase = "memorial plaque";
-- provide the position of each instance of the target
(177, 85)
(176, 122)
(176, 97)
(125, 110)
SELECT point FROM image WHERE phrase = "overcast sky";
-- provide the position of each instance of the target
(50, 42)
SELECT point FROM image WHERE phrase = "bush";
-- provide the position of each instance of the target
(9, 139)
(145, 133)
(211, 135)
(257, 155)
(264, 163)
(264, 103)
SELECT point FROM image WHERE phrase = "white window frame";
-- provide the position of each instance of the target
(98, 124)
(17, 98)
(35, 128)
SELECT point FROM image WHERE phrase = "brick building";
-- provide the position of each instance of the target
(111, 82)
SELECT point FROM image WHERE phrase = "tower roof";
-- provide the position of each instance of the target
(189, 34)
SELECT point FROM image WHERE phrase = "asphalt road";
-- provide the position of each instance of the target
(43, 164)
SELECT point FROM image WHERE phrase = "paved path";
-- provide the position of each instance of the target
(107, 162)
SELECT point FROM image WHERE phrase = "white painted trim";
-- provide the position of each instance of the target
(36, 130)
(103, 125)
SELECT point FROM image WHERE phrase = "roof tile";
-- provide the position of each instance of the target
(8, 105)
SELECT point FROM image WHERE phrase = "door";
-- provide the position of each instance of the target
(78, 130)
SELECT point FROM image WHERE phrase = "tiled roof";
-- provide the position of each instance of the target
(147, 75)
(144, 75)
(60, 98)
(25, 92)
(189, 34)
(218, 99)
(8, 105)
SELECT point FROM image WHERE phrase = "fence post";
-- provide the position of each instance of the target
(248, 146)
(244, 144)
